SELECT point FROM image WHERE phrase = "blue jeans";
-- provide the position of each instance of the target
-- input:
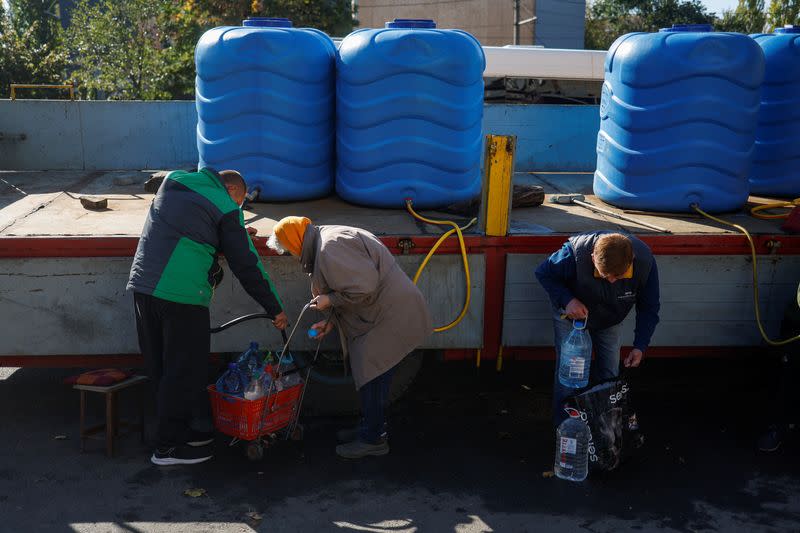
(374, 397)
(606, 344)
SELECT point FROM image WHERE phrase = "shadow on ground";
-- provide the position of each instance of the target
(469, 449)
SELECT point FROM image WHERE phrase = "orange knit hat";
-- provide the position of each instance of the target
(290, 231)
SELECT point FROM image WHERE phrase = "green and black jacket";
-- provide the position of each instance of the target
(192, 219)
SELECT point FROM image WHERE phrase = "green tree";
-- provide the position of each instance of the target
(782, 12)
(25, 59)
(41, 13)
(144, 49)
(608, 19)
(749, 16)
(120, 50)
(334, 17)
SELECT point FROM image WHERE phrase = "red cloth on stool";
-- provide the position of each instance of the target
(100, 378)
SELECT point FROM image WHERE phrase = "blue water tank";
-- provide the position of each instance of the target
(265, 106)
(677, 119)
(409, 110)
(776, 164)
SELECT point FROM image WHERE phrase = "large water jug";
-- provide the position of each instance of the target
(265, 106)
(572, 449)
(575, 357)
(409, 111)
(255, 389)
(677, 119)
(250, 360)
(776, 164)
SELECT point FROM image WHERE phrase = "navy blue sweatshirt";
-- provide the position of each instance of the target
(560, 268)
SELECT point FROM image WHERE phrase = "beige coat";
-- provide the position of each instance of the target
(380, 313)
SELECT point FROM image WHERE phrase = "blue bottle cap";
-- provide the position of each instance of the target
(233, 366)
(312, 333)
(789, 28)
(411, 23)
(688, 28)
(579, 324)
(253, 345)
(267, 22)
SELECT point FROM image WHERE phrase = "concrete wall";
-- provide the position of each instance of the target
(63, 135)
(490, 21)
(560, 23)
(105, 135)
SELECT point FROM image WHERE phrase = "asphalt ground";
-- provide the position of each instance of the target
(471, 452)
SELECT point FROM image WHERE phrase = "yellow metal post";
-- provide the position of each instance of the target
(497, 183)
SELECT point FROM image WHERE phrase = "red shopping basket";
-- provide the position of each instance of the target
(250, 419)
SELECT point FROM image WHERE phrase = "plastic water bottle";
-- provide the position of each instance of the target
(288, 364)
(255, 389)
(572, 450)
(250, 360)
(232, 381)
(575, 357)
(266, 378)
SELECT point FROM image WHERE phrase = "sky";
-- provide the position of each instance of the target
(718, 6)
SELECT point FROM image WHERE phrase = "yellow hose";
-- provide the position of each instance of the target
(777, 205)
(456, 229)
(755, 277)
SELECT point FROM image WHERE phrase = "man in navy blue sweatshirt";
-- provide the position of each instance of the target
(600, 276)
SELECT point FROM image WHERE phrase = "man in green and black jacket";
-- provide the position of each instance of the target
(194, 216)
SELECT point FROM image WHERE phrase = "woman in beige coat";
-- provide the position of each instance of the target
(380, 313)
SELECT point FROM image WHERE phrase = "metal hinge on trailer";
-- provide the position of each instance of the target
(405, 245)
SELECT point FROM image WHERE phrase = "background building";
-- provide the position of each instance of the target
(558, 23)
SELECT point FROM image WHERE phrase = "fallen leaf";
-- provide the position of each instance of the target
(548, 474)
(60, 437)
(254, 516)
(194, 493)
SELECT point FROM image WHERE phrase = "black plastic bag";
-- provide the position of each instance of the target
(608, 411)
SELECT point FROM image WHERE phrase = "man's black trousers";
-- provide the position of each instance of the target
(175, 341)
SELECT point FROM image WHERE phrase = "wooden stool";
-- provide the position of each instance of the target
(112, 423)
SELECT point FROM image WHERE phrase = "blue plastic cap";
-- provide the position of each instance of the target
(233, 366)
(253, 345)
(312, 333)
(579, 324)
(688, 27)
(411, 23)
(267, 22)
(789, 28)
